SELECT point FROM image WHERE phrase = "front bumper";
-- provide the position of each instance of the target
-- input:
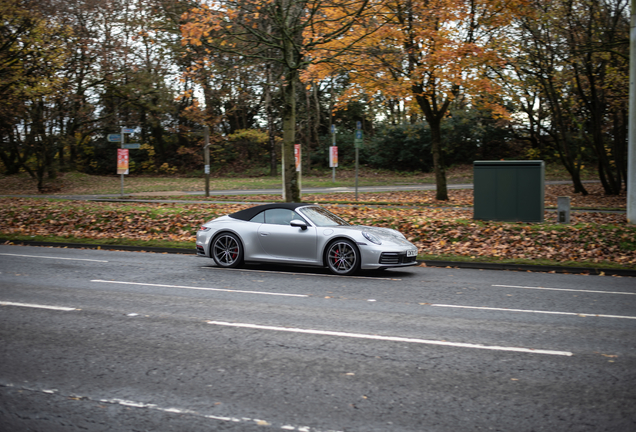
(396, 258)
(376, 258)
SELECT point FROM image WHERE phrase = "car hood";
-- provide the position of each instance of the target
(386, 235)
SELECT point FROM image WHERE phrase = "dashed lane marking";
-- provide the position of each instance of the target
(390, 338)
(173, 410)
(200, 288)
(566, 289)
(534, 311)
(50, 257)
(37, 306)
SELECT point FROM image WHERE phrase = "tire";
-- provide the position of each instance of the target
(227, 250)
(342, 258)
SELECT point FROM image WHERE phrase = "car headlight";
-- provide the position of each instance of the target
(371, 238)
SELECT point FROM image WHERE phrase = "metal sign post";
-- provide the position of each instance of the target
(282, 148)
(123, 138)
(122, 165)
(299, 166)
(122, 156)
(331, 154)
(206, 155)
(357, 142)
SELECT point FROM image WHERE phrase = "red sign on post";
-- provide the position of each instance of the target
(297, 156)
(122, 161)
(333, 157)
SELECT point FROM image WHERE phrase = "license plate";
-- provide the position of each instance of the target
(411, 253)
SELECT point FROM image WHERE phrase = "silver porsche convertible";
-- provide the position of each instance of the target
(293, 233)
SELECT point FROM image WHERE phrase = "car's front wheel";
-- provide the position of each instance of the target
(227, 250)
(343, 258)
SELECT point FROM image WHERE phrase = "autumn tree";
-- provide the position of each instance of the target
(428, 53)
(123, 67)
(576, 53)
(32, 51)
(288, 33)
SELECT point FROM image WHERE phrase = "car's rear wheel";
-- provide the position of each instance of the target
(227, 250)
(343, 258)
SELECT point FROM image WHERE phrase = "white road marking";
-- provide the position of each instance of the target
(172, 410)
(390, 338)
(202, 289)
(50, 257)
(38, 306)
(303, 274)
(534, 311)
(565, 289)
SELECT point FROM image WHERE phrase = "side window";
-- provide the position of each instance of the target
(280, 216)
(259, 218)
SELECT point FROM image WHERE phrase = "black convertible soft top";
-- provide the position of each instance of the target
(249, 213)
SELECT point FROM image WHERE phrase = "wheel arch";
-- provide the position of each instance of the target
(224, 231)
(323, 253)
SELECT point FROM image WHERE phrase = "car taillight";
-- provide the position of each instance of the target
(204, 228)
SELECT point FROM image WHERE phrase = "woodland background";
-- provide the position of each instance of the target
(433, 83)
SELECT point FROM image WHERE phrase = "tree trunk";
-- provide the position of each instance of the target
(292, 189)
(270, 124)
(569, 149)
(309, 129)
(569, 161)
(434, 115)
(438, 162)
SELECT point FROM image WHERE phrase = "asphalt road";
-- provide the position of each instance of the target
(275, 191)
(160, 342)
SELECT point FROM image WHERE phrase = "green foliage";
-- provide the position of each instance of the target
(474, 134)
(469, 135)
(402, 148)
(244, 150)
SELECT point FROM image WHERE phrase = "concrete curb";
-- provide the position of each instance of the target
(428, 263)
(532, 268)
(97, 246)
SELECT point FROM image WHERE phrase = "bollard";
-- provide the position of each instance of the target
(563, 209)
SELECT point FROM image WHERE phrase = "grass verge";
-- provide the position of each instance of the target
(74, 183)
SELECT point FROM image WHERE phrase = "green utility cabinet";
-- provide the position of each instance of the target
(509, 190)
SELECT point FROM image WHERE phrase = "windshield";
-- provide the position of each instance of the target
(322, 217)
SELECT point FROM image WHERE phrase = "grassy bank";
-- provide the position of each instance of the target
(83, 184)
(594, 239)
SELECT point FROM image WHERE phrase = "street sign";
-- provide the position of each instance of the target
(122, 161)
(333, 156)
(358, 125)
(297, 156)
(132, 146)
(357, 141)
(114, 137)
(127, 130)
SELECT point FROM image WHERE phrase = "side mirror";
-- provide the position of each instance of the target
(299, 224)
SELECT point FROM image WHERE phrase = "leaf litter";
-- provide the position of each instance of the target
(592, 236)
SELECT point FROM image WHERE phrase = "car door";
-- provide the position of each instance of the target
(284, 242)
